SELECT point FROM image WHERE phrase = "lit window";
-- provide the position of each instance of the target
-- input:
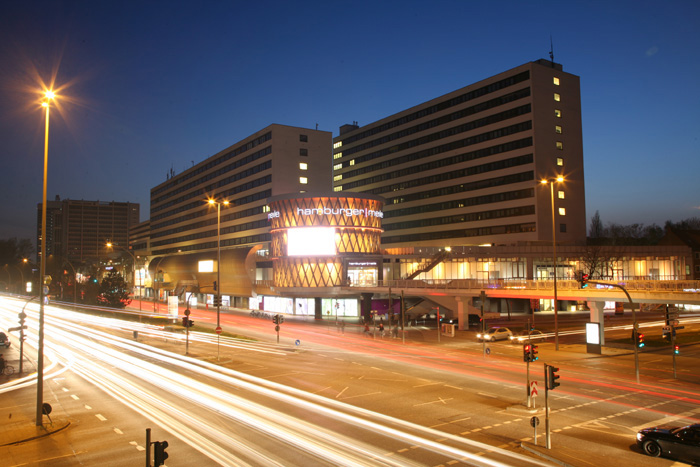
(560, 161)
(560, 145)
(338, 188)
(556, 81)
(304, 138)
(303, 166)
(338, 177)
(303, 180)
(337, 155)
(562, 211)
(557, 97)
(337, 166)
(561, 194)
(557, 113)
(557, 129)
(352, 162)
(337, 144)
(266, 208)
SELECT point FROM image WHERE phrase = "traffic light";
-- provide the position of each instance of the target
(217, 300)
(187, 322)
(640, 340)
(214, 286)
(583, 279)
(552, 377)
(159, 454)
(526, 352)
(676, 349)
(276, 319)
(533, 353)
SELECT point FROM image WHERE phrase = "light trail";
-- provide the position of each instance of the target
(105, 360)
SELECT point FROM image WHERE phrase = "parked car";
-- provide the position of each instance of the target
(4, 340)
(495, 334)
(522, 337)
(682, 444)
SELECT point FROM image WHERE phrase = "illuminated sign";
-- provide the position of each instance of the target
(206, 266)
(311, 241)
(348, 212)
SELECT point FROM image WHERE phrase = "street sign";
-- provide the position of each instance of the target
(17, 328)
(534, 421)
(533, 388)
(680, 327)
(218, 329)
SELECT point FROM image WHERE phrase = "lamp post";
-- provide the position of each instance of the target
(49, 96)
(551, 182)
(133, 277)
(217, 295)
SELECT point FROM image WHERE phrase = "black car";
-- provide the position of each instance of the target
(4, 340)
(682, 443)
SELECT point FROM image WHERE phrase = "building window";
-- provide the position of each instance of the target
(304, 138)
(337, 144)
(352, 162)
(560, 161)
(556, 81)
(303, 152)
(561, 194)
(303, 166)
(338, 188)
(303, 180)
(562, 211)
(557, 129)
(557, 97)
(337, 155)
(560, 145)
(338, 177)
(337, 166)
(562, 228)
(557, 113)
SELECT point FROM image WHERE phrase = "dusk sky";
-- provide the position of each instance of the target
(150, 86)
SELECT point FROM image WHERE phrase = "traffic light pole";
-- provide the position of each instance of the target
(548, 442)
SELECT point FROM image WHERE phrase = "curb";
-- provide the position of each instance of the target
(545, 456)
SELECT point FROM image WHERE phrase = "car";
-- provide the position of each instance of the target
(680, 443)
(4, 340)
(447, 320)
(523, 337)
(495, 334)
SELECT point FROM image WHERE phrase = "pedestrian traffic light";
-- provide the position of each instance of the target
(526, 352)
(676, 349)
(640, 340)
(187, 322)
(159, 454)
(583, 279)
(552, 377)
(533, 353)
(276, 319)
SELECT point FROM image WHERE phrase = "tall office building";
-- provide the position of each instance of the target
(465, 168)
(78, 230)
(276, 160)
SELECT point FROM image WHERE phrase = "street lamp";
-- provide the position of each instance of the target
(49, 96)
(218, 204)
(133, 277)
(551, 183)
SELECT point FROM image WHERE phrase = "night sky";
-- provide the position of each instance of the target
(150, 86)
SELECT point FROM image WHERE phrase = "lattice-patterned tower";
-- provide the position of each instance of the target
(325, 240)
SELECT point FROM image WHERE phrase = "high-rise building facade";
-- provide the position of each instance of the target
(77, 230)
(465, 168)
(276, 160)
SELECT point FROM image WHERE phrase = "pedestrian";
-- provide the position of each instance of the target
(2, 364)
(366, 329)
(342, 327)
(381, 330)
(395, 330)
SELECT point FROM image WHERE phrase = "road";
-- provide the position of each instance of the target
(343, 399)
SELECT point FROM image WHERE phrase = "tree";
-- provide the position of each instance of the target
(113, 291)
(12, 251)
(596, 230)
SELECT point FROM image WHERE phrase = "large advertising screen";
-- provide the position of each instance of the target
(311, 241)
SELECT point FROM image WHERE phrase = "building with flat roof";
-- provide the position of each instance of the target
(77, 230)
(465, 168)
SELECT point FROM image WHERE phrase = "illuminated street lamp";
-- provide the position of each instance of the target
(49, 96)
(551, 183)
(133, 277)
(217, 295)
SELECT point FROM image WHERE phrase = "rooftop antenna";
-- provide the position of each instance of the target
(551, 50)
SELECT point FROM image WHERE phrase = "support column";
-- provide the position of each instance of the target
(460, 314)
(597, 316)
